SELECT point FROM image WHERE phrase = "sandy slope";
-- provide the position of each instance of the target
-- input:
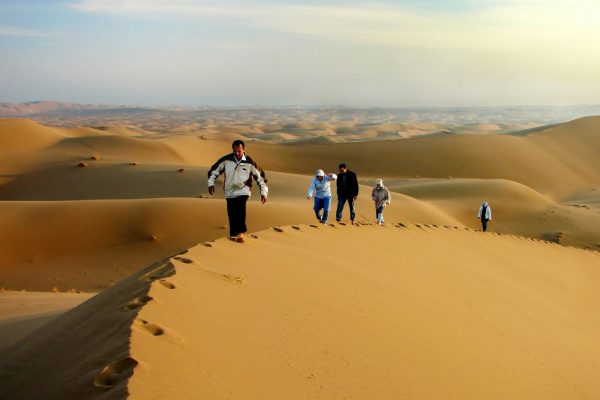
(89, 245)
(331, 312)
(87, 227)
(24, 312)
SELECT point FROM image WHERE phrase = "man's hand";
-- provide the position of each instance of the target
(263, 198)
(308, 197)
(211, 190)
(355, 197)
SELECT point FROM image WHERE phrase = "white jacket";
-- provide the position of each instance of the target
(238, 176)
(321, 189)
(488, 212)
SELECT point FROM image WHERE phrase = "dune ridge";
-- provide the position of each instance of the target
(393, 320)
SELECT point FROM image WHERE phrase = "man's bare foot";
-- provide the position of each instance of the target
(353, 222)
(240, 238)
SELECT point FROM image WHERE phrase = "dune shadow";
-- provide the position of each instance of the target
(84, 353)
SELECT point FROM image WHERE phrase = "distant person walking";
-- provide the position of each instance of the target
(239, 170)
(321, 188)
(347, 191)
(381, 196)
(484, 215)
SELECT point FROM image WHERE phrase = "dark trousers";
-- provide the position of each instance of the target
(340, 207)
(484, 224)
(236, 211)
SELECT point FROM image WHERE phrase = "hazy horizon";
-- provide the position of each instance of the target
(407, 54)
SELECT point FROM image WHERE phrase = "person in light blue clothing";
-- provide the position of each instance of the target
(321, 188)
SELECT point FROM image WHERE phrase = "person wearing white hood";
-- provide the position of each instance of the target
(321, 188)
(381, 196)
(484, 215)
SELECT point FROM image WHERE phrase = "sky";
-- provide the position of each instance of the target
(279, 52)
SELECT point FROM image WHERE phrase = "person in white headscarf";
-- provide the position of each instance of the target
(381, 196)
(321, 188)
(484, 215)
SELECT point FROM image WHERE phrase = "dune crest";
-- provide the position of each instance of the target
(332, 312)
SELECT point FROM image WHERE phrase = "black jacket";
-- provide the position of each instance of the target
(347, 187)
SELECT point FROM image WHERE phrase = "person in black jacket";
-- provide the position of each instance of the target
(347, 190)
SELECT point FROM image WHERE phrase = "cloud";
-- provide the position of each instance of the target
(510, 24)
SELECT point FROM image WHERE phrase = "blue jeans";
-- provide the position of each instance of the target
(379, 213)
(340, 207)
(322, 204)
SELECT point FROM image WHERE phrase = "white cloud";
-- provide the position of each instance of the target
(513, 25)
(495, 52)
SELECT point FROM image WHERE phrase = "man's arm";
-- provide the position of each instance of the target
(355, 185)
(214, 172)
(311, 189)
(259, 175)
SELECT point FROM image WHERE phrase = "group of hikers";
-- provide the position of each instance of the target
(240, 171)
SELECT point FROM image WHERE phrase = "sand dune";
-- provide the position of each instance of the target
(423, 308)
(25, 135)
(24, 312)
(517, 209)
(73, 227)
(89, 245)
(545, 161)
(482, 316)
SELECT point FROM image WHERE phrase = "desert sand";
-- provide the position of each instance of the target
(331, 312)
(117, 279)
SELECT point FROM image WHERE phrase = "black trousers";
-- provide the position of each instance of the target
(236, 211)
(484, 224)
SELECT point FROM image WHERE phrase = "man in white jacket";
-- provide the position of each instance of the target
(484, 215)
(239, 170)
(321, 188)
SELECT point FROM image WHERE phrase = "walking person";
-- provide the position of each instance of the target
(347, 191)
(381, 196)
(321, 188)
(239, 170)
(484, 215)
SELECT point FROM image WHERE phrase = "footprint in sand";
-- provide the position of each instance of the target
(254, 236)
(184, 260)
(239, 279)
(115, 372)
(167, 284)
(342, 223)
(401, 225)
(137, 302)
(276, 229)
(155, 330)
(296, 227)
(313, 226)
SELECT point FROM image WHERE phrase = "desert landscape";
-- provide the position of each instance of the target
(118, 280)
